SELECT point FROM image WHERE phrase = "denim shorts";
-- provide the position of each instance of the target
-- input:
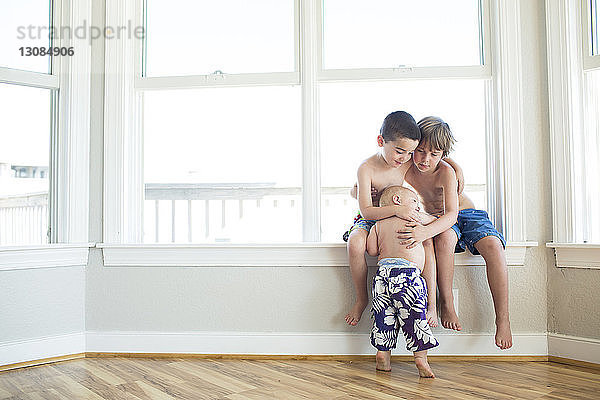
(473, 225)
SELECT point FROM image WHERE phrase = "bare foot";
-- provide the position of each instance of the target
(383, 361)
(423, 367)
(432, 318)
(503, 335)
(356, 312)
(449, 317)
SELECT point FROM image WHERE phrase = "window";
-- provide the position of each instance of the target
(574, 68)
(25, 23)
(381, 34)
(44, 141)
(229, 169)
(26, 123)
(230, 36)
(250, 129)
(593, 28)
(24, 150)
(590, 231)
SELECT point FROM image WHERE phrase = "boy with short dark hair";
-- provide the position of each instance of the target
(397, 139)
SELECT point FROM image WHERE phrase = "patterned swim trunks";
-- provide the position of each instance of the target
(359, 223)
(400, 302)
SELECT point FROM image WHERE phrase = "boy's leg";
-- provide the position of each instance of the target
(429, 274)
(492, 251)
(445, 243)
(425, 370)
(357, 245)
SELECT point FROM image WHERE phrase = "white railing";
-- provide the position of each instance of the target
(205, 213)
(186, 213)
(259, 212)
(24, 219)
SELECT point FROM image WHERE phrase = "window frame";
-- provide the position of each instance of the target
(590, 62)
(569, 58)
(123, 183)
(69, 79)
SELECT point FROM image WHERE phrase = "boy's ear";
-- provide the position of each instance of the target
(380, 140)
(396, 199)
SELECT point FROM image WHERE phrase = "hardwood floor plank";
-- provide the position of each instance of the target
(213, 377)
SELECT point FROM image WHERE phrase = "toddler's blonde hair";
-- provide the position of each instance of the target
(387, 196)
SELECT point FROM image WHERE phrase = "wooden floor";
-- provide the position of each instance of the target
(135, 379)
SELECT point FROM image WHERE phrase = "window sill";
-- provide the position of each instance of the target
(576, 255)
(43, 256)
(260, 255)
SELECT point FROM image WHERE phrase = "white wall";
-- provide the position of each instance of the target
(42, 313)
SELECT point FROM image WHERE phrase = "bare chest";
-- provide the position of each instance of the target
(431, 192)
(383, 179)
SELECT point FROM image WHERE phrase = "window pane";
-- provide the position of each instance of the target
(392, 33)
(24, 23)
(24, 160)
(594, 27)
(351, 115)
(226, 161)
(192, 37)
(590, 162)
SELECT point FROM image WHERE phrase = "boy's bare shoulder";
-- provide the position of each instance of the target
(368, 164)
(445, 172)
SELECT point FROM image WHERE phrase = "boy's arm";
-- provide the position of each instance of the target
(365, 203)
(372, 248)
(460, 177)
(354, 192)
(411, 236)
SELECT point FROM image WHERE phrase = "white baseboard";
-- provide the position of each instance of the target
(298, 343)
(574, 348)
(40, 348)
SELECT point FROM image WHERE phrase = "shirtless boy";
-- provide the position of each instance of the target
(398, 137)
(473, 229)
(401, 287)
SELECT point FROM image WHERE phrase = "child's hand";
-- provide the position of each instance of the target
(374, 195)
(412, 236)
(460, 177)
(407, 213)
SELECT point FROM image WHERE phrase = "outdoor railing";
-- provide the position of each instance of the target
(190, 213)
(24, 219)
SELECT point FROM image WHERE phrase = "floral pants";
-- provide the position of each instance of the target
(400, 302)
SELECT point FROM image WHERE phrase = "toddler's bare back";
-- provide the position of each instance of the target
(389, 245)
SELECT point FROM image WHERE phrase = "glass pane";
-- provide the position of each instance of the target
(192, 37)
(590, 162)
(226, 161)
(594, 27)
(24, 23)
(24, 160)
(351, 115)
(392, 33)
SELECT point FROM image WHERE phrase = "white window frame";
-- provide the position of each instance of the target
(69, 148)
(568, 30)
(123, 182)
